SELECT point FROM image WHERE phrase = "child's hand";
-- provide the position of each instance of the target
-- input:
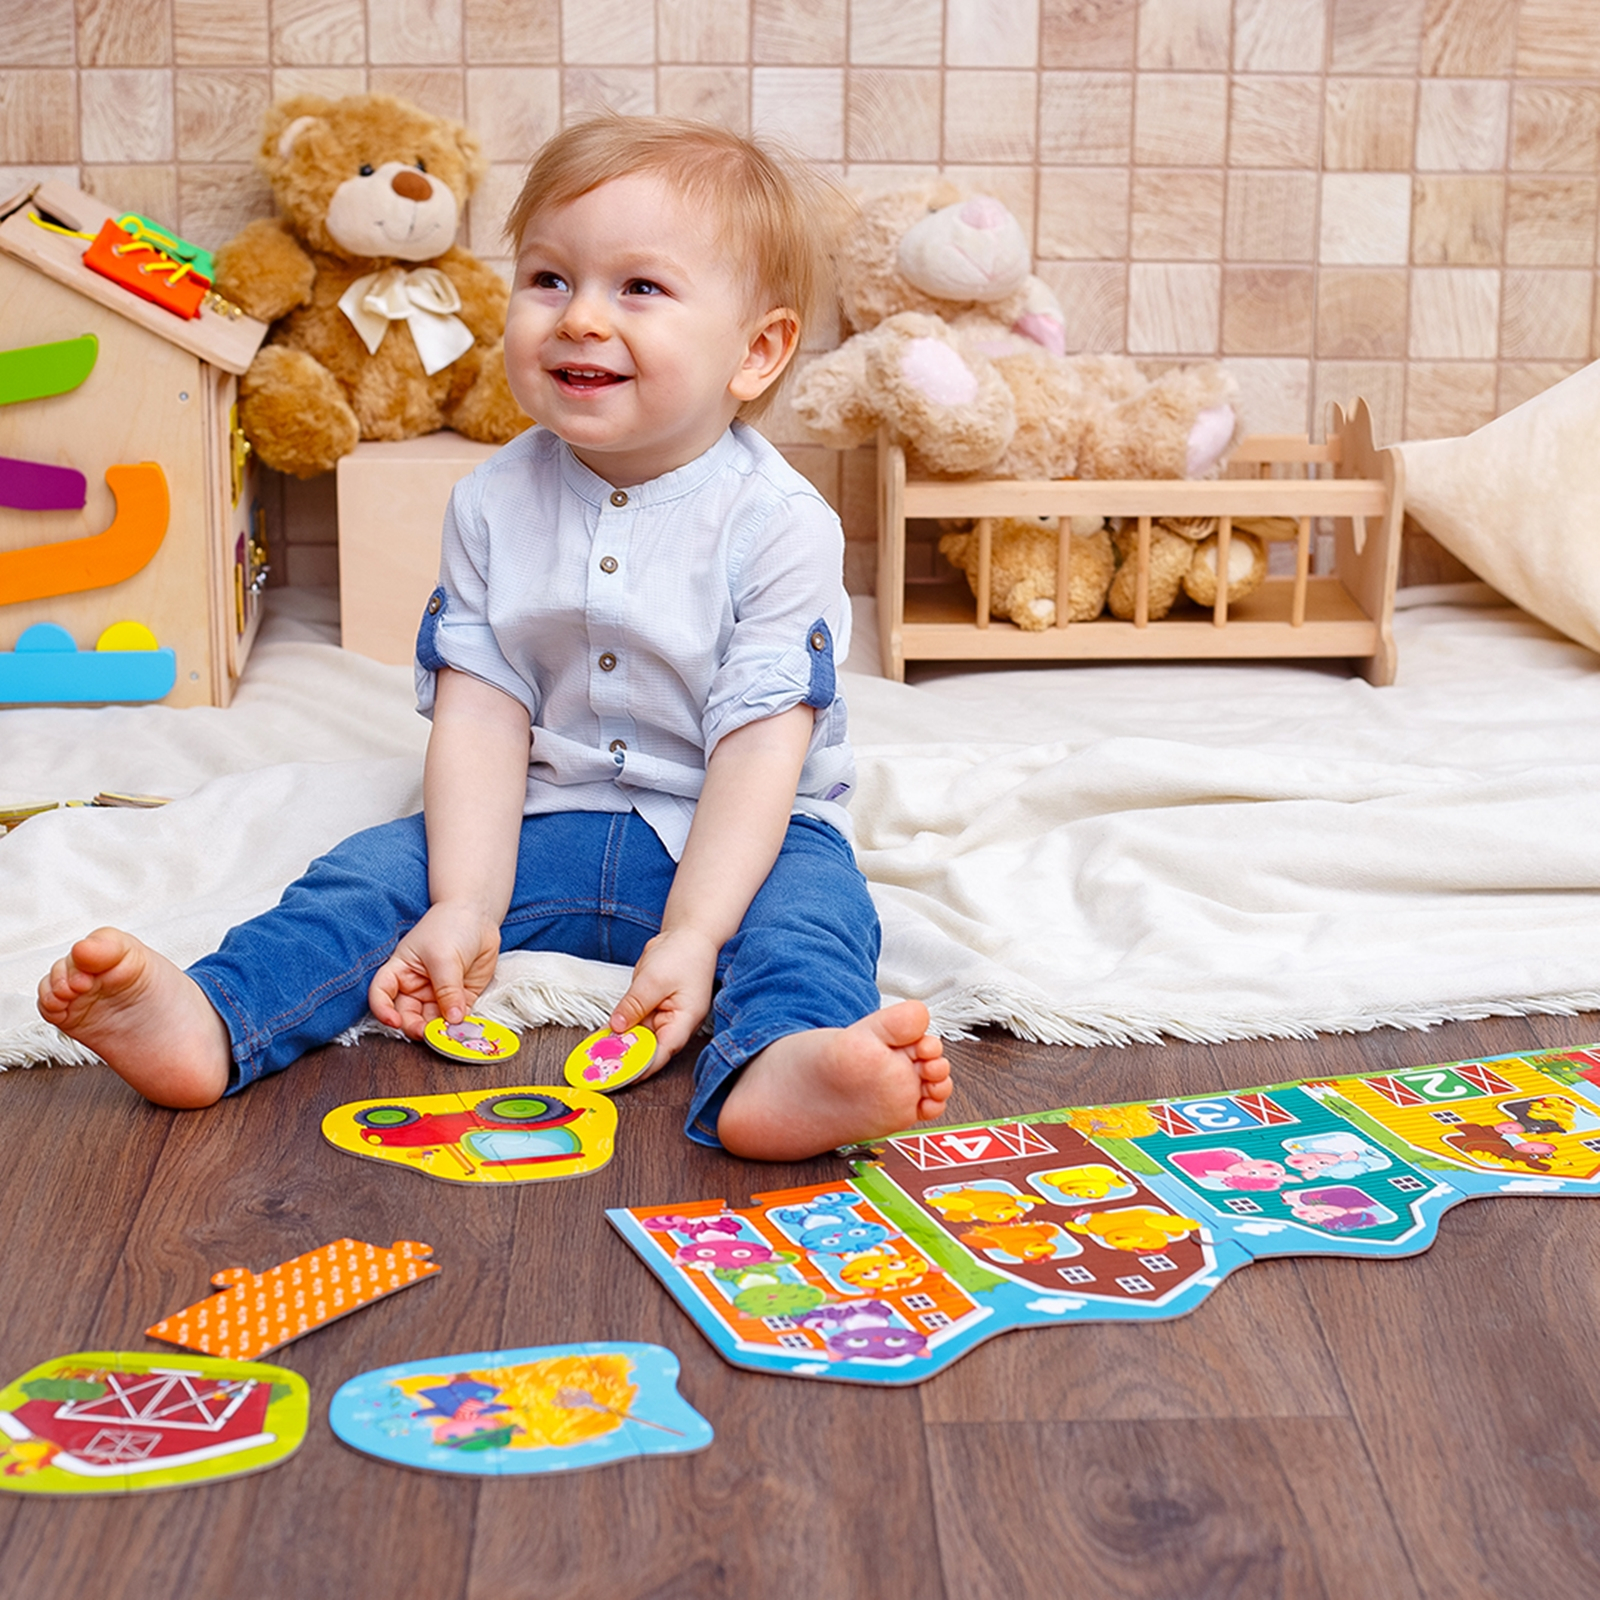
(437, 970)
(671, 989)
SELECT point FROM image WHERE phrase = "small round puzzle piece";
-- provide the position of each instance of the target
(471, 1039)
(607, 1060)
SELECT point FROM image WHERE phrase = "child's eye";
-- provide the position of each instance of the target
(642, 286)
(548, 280)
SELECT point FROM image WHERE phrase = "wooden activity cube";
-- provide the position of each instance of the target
(161, 390)
(1347, 613)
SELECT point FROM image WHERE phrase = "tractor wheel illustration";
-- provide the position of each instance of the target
(384, 1118)
(521, 1110)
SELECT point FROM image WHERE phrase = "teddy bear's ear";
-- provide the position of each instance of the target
(286, 123)
(472, 155)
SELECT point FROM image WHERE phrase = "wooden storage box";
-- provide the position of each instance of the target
(392, 499)
(1346, 613)
(160, 392)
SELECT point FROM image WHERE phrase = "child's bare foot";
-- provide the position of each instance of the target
(814, 1091)
(144, 1017)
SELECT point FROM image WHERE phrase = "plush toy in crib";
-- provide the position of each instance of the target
(1103, 571)
(958, 350)
(382, 327)
(1022, 568)
(1183, 560)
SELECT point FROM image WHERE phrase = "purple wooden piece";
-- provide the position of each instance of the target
(32, 486)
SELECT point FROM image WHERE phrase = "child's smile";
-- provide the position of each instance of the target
(629, 334)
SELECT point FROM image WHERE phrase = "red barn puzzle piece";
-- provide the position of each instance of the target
(258, 1311)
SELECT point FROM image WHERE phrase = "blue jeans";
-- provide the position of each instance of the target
(592, 884)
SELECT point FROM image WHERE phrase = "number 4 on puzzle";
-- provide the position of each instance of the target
(258, 1311)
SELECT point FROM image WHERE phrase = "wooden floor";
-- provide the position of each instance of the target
(1329, 1428)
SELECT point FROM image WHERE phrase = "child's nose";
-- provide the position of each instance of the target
(585, 316)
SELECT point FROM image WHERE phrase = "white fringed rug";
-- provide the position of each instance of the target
(1078, 854)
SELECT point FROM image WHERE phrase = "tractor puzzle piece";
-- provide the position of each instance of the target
(517, 1135)
(259, 1311)
(119, 1422)
(943, 1237)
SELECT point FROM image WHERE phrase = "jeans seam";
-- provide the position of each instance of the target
(537, 910)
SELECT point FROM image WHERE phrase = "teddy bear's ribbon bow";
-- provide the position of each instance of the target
(423, 298)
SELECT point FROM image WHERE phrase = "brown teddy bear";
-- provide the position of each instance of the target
(383, 328)
(1183, 560)
(1023, 553)
(957, 351)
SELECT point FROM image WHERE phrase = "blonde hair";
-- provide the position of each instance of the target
(774, 212)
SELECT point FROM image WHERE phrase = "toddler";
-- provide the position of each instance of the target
(638, 750)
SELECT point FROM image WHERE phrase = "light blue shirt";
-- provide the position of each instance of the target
(642, 626)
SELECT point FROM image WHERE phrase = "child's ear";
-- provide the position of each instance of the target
(772, 347)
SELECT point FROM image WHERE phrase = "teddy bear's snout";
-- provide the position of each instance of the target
(410, 184)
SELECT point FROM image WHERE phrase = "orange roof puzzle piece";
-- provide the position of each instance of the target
(258, 1311)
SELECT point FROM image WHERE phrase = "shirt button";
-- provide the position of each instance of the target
(619, 497)
(819, 640)
(607, 662)
(608, 563)
(617, 745)
(434, 602)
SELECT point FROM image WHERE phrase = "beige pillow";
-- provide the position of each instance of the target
(1519, 502)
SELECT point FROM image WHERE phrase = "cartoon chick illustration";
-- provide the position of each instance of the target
(1136, 1228)
(979, 1205)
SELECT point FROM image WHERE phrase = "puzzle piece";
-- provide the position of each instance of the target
(119, 1422)
(259, 1311)
(474, 1039)
(606, 1061)
(517, 1135)
(1131, 1212)
(504, 1413)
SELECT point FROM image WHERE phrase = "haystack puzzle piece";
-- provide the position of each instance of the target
(471, 1039)
(944, 1237)
(121, 1422)
(606, 1061)
(516, 1135)
(504, 1413)
(258, 1311)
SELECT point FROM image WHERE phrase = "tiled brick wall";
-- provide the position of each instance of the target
(1388, 197)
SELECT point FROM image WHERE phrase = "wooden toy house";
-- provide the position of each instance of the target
(132, 549)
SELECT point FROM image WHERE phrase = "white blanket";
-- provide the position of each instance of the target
(1080, 855)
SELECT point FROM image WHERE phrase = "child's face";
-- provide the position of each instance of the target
(631, 335)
